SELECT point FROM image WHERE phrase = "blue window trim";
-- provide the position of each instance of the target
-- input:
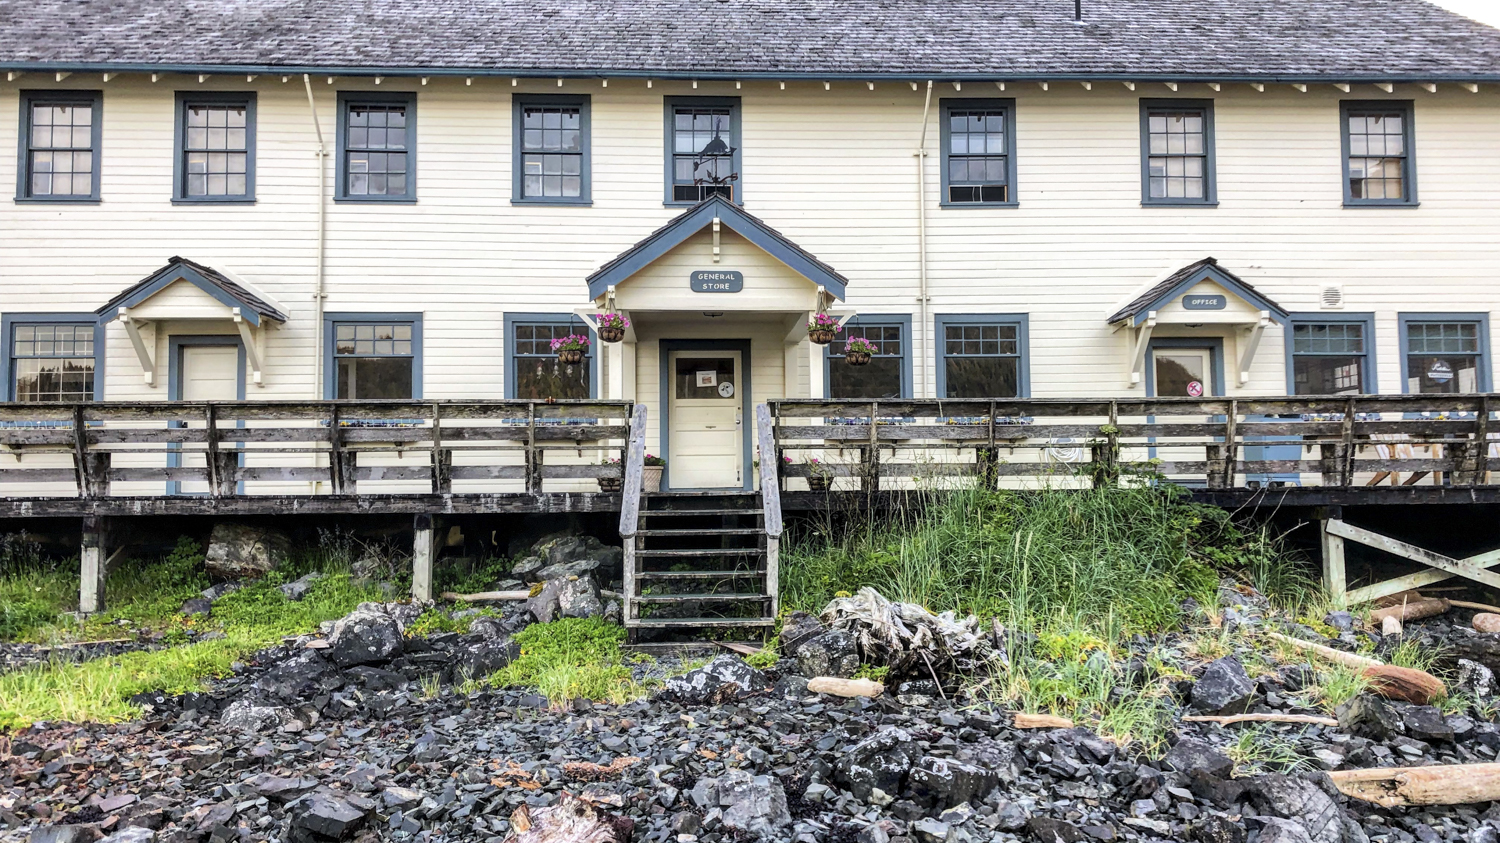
(1482, 319)
(1211, 182)
(511, 319)
(1409, 171)
(1023, 337)
(1007, 103)
(735, 123)
(518, 172)
(96, 141)
(1215, 346)
(7, 334)
(1367, 370)
(747, 410)
(332, 320)
(347, 98)
(179, 147)
(901, 320)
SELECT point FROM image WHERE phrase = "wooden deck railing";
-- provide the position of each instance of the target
(244, 448)
(1219, 443)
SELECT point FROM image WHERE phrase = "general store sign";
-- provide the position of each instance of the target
(717, 281)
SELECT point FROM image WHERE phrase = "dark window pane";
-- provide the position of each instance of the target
(1442, 375)
(546, 377)
(982, 377)
(1327, 375)
(880, 378)
(373, 378)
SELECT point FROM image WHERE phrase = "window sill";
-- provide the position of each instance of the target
(979, 204)
(235, 201)
(1382, 204)
(69, 200)
(375, 200)
(1159, 203)
(576, 203)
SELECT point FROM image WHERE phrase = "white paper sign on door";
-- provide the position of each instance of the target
(708, 378)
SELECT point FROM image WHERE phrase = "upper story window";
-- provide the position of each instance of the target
(1177, 152)
(887, 375)
(52, 361)
(377, 141)
(60, 136)
(703, 149)
(982, 356)
(215, 147)
(534, 370)
(978, 165)
(1379, 168)
(1445, 354)
(551, 149)
(1331, 357)
(376, 356)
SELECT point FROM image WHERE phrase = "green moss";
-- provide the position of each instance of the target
(572, 658)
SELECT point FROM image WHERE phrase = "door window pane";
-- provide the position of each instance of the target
(1181, 375)
(703, 378)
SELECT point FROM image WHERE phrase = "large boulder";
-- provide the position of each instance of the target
(247, 715)
(322, 816)
(833, 653)
(303, 676)
(1195, 758)
(569, 597)
(751, 804)
(242, 551)
(478, 656)
(558, 556)
(1224, 688)
(1308, 803)
(722, 680)
(944, 783)
(364, 636)
(879, 762)
(1370, 716)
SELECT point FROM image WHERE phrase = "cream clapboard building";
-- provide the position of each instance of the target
(271, 201)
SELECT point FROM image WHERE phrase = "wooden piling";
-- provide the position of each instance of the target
(424, 548)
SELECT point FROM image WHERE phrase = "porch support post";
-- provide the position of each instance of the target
(627, 367)
(815, 385)
(94, 562)
(1333, 553)
(422, 552)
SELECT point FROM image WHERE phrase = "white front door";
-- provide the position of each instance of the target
(205, 373)
(706, 429)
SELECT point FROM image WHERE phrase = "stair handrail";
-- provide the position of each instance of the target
(770, 470)
(635, 464)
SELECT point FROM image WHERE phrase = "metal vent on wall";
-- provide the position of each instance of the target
(1332, 297)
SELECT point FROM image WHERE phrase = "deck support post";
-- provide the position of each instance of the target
(424, 548)
(1334, 578)
(94, 559)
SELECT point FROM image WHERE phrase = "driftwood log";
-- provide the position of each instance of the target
(1427, 607)
(571, 820)
(486, 596)
(1452, 784)
(1226, 719)
(1041, 721)
(845, 687)
(1389, 681)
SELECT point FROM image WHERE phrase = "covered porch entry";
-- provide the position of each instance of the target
(718, 304)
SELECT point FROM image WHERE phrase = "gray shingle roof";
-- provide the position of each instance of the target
(1167, 288)
(229, 291)
(1371, 40)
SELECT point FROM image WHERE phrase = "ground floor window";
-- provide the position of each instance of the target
(51, 360)
(887, 375)
(982, 356)
(534, 370)
(376, 356)
(1332, 356)
(1445, 353)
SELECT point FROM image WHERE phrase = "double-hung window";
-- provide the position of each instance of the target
(375, 356)
(60, 138)
(1379, 167)
(979, 164)
(215, 148)
(52, 360)
(534, 370)
(887, 375)
(703, 149)
(377, 143)
(1177, 152)
(551, 149)
(1332, 357)
(982, 356)
(1445, 354)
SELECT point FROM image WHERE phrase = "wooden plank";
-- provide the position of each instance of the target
(1429, 558)
(635, 463)
(38, 475)
(424, 547)
(92, 565)
(770, 483)
(1334, 577)
(489, 472)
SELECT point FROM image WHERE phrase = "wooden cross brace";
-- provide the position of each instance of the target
(1474, 568)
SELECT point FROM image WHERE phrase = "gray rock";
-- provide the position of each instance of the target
(279, 788)
(325, 816)
(832, 653)
(932, 831)
(1426, 723)
(241, 551)
(879, 762)
(217, 590)
(298, 588)
(1341, 621)
(245, 715)
(364, 636)
(1311, 805)
(1275, 830)
(1475, 679)
(1193, 757)
(945, 783)
(578, 597)
(1370, 716)
(583, 553)
(200, 606)
(303, 675)
(1224, 688)
(133, 834)
(66, 833)
(1049, 830)
(481, 656)
(401, 798)
(752, 804)
(527, 567)
(724, 679)
(1216, 828)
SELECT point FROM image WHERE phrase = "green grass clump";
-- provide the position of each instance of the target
(568, 659)
(434, 621)
(1257, 749)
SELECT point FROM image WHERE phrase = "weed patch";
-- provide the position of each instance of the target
(568, 659)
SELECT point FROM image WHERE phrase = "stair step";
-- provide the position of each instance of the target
(662, 623)
(698, 575)
(686, 512)
(682, 598)
(701, 553)
(708, 531)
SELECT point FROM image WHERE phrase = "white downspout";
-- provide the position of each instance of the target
(921, 155)
(318, 294)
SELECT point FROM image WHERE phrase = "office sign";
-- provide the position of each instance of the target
(717, 281)
(1209, 302)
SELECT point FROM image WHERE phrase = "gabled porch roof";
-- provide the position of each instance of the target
(233, 294)
(696, 219)
(1179, 282)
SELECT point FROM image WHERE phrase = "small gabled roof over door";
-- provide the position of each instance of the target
(253, 307)
(1204, 279)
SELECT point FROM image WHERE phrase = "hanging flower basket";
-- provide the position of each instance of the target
(858, 350)
(570, 349)
(822, 328)
(612, 327)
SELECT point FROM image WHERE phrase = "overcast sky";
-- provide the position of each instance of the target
(1487, 11)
